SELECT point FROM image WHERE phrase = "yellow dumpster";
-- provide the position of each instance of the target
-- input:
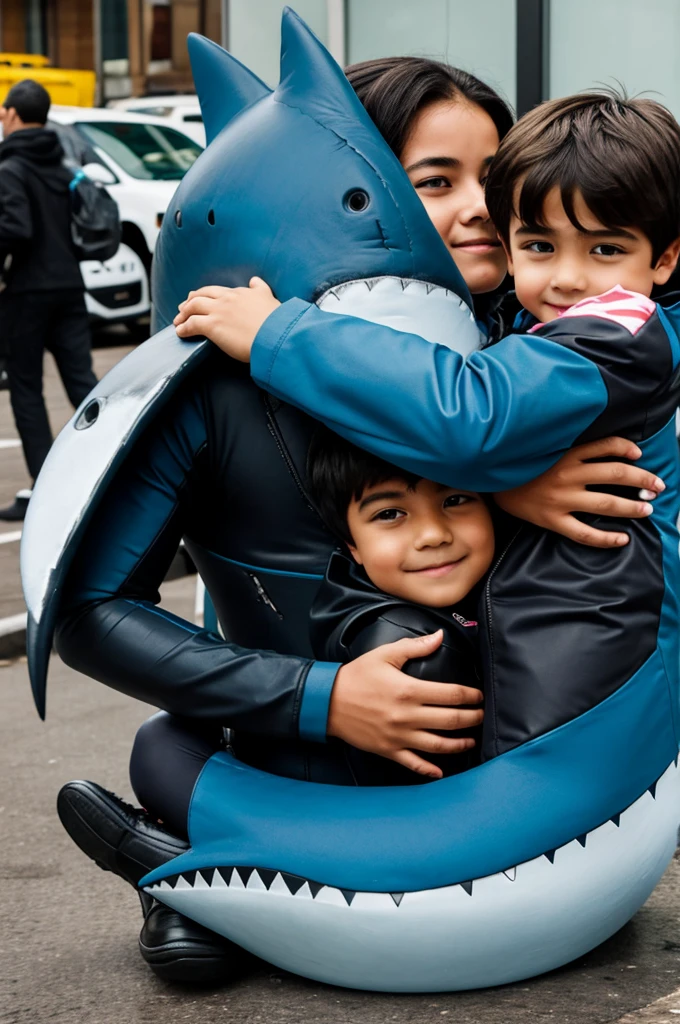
(24, 60)
(69, 88)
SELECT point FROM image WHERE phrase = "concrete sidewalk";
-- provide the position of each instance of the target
(68, 932)
(14, 477)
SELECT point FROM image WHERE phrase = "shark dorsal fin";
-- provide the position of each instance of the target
(225, 87)
(310, 78)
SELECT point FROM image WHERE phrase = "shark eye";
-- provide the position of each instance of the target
(357, 200)
(178, 218)
(211, 217)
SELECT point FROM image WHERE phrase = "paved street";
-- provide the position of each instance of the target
(68, 931)
(13, 474)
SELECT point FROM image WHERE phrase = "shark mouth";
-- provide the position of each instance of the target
(414, 307)
(514, 924)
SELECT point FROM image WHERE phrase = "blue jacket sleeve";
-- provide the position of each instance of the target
(486, 423)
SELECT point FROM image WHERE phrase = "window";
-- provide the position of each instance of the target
(607, 42)
(145, 151)
(475, 35)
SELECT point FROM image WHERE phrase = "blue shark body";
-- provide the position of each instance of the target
(503, 872)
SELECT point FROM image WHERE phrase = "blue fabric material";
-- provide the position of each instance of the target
(661, 453)
(670, 318)
(529, 801)
(219, 106)
(486, 423)
(316, 698)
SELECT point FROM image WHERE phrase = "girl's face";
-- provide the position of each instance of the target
(446, 156)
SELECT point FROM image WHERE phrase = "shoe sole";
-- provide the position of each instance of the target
(186, 964)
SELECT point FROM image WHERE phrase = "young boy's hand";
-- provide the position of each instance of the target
(550, 500)
(378, 708)
(229, 317)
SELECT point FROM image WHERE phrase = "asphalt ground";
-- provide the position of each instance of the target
(13, 473)
(68, 931)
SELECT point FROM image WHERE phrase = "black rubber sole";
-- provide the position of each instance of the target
(186, 965)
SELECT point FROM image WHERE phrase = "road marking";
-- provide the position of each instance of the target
(13, 624)
(10, 538)
(10, 443)
(661, 1012)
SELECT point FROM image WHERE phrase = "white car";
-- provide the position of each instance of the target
(117, 290)
(181, 112)
(141, 161)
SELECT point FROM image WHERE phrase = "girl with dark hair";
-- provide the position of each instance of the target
(445, 126)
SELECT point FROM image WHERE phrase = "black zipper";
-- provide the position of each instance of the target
(285, 455)
(262, 594)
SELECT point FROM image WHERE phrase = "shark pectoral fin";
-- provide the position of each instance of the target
(38, 651)
(88, 452)
(225, 87)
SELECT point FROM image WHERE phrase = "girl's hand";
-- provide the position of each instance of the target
(229, 317)
(551, 499)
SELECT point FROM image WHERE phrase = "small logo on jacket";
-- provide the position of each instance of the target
(463, 621)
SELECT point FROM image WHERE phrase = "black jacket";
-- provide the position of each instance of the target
(350, 617)
(223, 466)
(35, 217)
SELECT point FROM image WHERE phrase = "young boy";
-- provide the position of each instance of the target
(417, 554)
(580, 206)
(584, 193)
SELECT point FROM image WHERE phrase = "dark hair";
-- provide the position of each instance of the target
(30, 100)
(395, 89)
(622, 156)
(338, 473)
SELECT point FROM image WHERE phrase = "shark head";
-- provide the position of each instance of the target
(298, 187)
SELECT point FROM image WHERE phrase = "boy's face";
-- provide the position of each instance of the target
(429, 545)
(557, 265)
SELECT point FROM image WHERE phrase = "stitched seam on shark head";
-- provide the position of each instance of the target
(368, 163)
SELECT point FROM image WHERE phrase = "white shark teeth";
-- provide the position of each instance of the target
(285, 884)
(261, 879)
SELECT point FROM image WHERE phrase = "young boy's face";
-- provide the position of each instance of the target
(557, 265)
(429, 545)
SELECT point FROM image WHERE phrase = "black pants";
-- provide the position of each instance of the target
(29, 324)
(167, 757)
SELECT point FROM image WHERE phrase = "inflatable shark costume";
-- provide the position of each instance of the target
(552, 844)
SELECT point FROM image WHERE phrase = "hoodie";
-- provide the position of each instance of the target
(35, 214)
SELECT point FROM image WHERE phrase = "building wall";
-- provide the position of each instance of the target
(581, 44)
(70, 33)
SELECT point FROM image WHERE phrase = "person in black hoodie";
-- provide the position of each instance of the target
(42, 303)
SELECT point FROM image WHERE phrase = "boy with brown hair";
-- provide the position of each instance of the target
(584, 194)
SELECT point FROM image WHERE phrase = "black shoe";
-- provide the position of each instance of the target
(123, 839)
(16, 512)
(179, 950)
(115, 835)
